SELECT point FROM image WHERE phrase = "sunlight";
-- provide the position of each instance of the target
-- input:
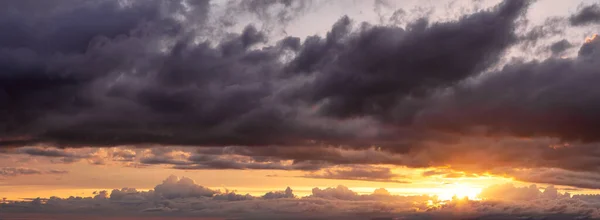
(590, 39)
(459, 190)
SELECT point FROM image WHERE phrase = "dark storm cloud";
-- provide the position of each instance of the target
(369, 73)
(145, 80)
(556, 97)
(586, 15)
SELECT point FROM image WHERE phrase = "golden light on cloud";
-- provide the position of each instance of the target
(590, 39)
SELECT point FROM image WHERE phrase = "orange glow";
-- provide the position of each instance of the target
(460, 190)
(590, 39)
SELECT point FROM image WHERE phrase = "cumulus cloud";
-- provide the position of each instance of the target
(500, 201)
(174, 187)
(288, 193)
(182, 197)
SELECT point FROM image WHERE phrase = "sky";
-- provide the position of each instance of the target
(299, 109)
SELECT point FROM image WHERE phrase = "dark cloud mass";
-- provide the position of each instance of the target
(143, 80)
(431, 93)
(556, 97)
(586, 15)
(371, 72)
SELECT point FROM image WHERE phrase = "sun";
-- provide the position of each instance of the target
(460, 190)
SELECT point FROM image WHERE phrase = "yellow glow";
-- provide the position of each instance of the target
(590, 39)
(460, 190)
(79, 182)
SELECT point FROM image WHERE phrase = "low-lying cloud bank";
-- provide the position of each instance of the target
(182, 197)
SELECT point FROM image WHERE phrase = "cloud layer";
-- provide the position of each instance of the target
(182, 197)
(142, 77)
(19, 171)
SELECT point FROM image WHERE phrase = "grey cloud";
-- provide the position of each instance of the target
(184, 198)
(553, 98)
(232, 196)
(174, 187)
(332, 155)
(263, 9)
(551, 27)
(586, 15)
(501, 202)
(141, 83)
(379, 67)
(186, 160)
(447, 173)
(560, 46)
(64, 156)
(19, 171)
(124, 155)
(364, 173)
(287, 194)
(511, 193)
(57, 171)
(557, 176)
(69, 155)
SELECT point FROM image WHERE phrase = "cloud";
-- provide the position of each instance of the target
(381, 66)
(512, 193)
(526, 99)
(557, 176)
(15, 171)
(288, 193)
(376, 174)
(560, 46)
(139, 82)
(96, 156)
(586, 15)
(19, 171)
(499, 201)
(428, 94)
(174, 187)
(181, 197)
(183, 158)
